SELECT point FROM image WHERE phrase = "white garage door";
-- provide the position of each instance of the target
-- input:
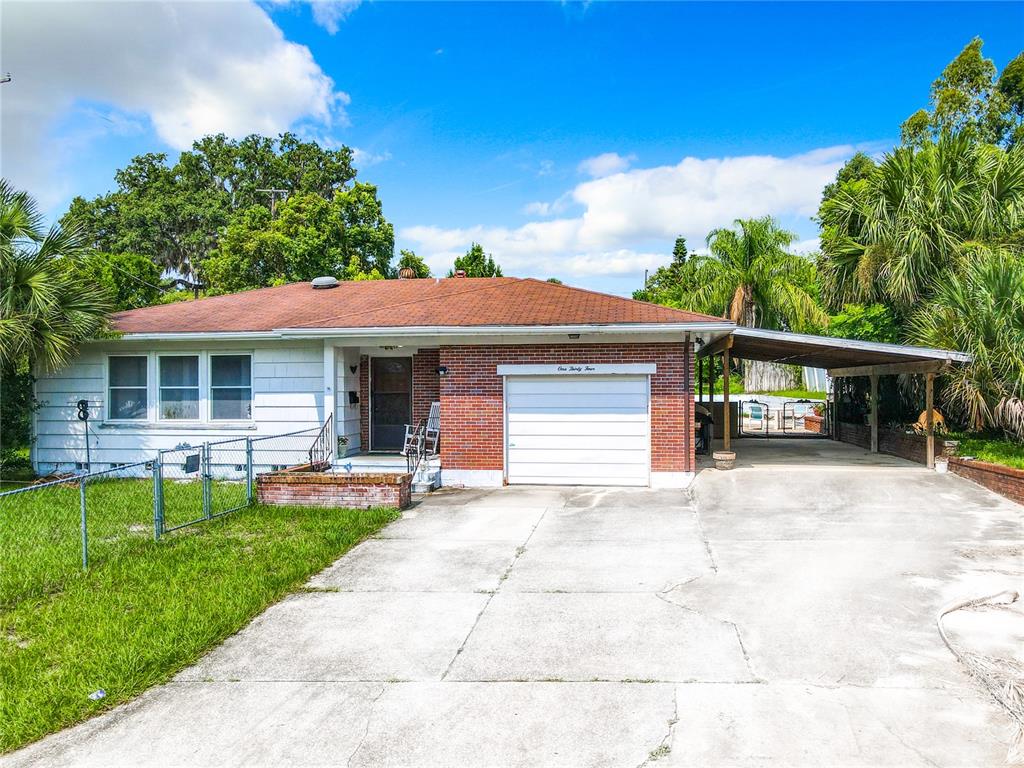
(578, 430)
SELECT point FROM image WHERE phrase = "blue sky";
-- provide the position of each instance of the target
(570, 140)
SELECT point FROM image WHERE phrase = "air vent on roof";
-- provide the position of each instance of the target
(325, 282)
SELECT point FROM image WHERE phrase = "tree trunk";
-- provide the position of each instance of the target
(769, 377)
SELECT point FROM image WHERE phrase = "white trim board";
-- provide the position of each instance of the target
(578, 369)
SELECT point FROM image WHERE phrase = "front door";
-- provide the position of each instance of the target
(390, 402)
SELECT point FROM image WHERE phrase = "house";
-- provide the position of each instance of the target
(538, 382)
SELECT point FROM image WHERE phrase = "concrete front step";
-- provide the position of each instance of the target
(427, 478)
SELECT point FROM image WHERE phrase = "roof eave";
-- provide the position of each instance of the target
(867, 346)
(434, 330)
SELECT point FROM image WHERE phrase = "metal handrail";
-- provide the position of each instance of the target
(414, 457)
(322, 450)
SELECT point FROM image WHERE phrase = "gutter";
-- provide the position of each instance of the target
(434, 330)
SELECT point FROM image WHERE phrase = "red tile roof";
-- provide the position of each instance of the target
(448, 302)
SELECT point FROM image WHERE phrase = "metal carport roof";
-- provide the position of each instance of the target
(841, 357)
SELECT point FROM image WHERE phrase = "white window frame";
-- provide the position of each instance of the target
(148, 387)
(153, 389)
(210, 387)
(198, 387)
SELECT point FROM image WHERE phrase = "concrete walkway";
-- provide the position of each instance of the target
(777, 615)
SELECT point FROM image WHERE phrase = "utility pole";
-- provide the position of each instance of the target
(273, 198)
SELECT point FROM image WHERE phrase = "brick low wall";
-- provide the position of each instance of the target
(359, 490)
(912, 447)
(814, 423)
(1006, 481)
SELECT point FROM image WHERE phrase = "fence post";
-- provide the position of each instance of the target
(158, 498)
(85, 527)
(207, 494)
(248, 471)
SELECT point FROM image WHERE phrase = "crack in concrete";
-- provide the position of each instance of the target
(704, 538)
(665, 745)
(911, 747)
(520, 550)
(755, 678)
(369, 721)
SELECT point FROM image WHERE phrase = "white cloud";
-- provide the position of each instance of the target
(330, 13)
(187, 69)
(364, 158)
(326, 13)
(626, 214)
(545, 209)
(605, 164)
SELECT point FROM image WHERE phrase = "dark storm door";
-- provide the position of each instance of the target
(390, 402)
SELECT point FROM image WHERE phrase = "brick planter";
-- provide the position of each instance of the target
(360, 490)
(1006, 481)
(814, 423)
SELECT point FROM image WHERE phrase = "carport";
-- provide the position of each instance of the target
(842, 358)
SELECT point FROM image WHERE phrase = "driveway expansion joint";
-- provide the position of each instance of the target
(490, 596)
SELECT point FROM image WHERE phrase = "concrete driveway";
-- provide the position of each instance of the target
(776, 615)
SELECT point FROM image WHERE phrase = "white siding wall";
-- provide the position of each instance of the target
(347, 415)
(287, 396)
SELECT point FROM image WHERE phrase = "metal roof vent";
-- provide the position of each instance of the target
(325, 282)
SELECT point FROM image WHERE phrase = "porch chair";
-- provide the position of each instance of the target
(424, 438)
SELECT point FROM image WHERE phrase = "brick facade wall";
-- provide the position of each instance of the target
(1006, 481)
(364, 402)
(426, 384)
(472, 406)
(322, 489)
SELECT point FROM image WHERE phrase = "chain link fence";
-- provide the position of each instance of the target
(53, 530)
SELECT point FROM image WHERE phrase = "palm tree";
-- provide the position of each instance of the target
(45, 309)
(751, 278)
(981, 310)
(888, 237)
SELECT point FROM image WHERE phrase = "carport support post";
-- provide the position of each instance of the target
(929, 419)
(725, 397)
(874, 412)
(709, 369)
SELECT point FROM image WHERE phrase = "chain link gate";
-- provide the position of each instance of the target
(196, 483)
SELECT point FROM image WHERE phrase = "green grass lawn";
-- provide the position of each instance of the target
(144, 609)
(796, 394)
(992, 449)
(736, 388)
(40, 530)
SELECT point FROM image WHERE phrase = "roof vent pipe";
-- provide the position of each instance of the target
(325, 282)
